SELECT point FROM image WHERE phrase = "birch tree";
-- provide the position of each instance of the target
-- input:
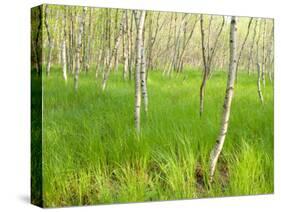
(152, 37)
(250, 59)
(38, 44)
(207, 55)
(50, 39)
(143, 75)
(242, 48)
(125, 40)
(140, 19)
(259, 68)
(175, 52)
(111, 58)
(87, 48)
(227, 100)
(63, 48)
(263, 53)
(185, 42)
(81, 19)
(269, 56)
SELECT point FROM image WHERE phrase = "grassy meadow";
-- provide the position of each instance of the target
(91, 154)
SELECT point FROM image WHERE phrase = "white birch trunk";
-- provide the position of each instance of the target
(259, 83)
(63, 49)
(140, 26)
(227, 100)
(259, 68)
(126, 59)
(78, 48)
(143, 78)
(125, 47)
(63, 55)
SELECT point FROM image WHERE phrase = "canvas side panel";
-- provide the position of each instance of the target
(36, 106)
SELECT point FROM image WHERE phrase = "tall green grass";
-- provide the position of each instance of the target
(91, 154)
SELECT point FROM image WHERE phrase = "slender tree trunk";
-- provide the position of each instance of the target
(140, 18)
(78, 48)
(263, 54)
(68, 44)
(168, 43)
(131, 53)
(151, 40)
(258, 67)
(227, 100)
(88, 43)
(116, 56)
(50, 43)
(250, 60)
(38, 43)
(269, 54)
(185, 43)
(212, 50)
(72, 43)
(208, 55)
(125, 47)
(242, 47)
(50, 39)
(259, 83)
(205, 71)
(177, 33)
(143, 77)
(110, 62)
(63, 49)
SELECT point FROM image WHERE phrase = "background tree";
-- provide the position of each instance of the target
(63, 48)
(242, 48)
(208, 55)
(259, 66)
(49, 36)
(79, 46)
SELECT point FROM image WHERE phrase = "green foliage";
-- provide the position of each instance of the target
(91, 154)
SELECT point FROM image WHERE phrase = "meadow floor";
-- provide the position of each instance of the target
(91, 154)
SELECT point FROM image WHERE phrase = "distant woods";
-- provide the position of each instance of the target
(172, 42)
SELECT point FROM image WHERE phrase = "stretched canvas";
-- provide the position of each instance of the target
(134, 106)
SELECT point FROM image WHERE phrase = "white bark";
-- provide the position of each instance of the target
(64, 70)
(143, 78)
(63, 49)
(259, 83)
(78, 48)
(227, 100)
(140, 25)
(125, 47)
